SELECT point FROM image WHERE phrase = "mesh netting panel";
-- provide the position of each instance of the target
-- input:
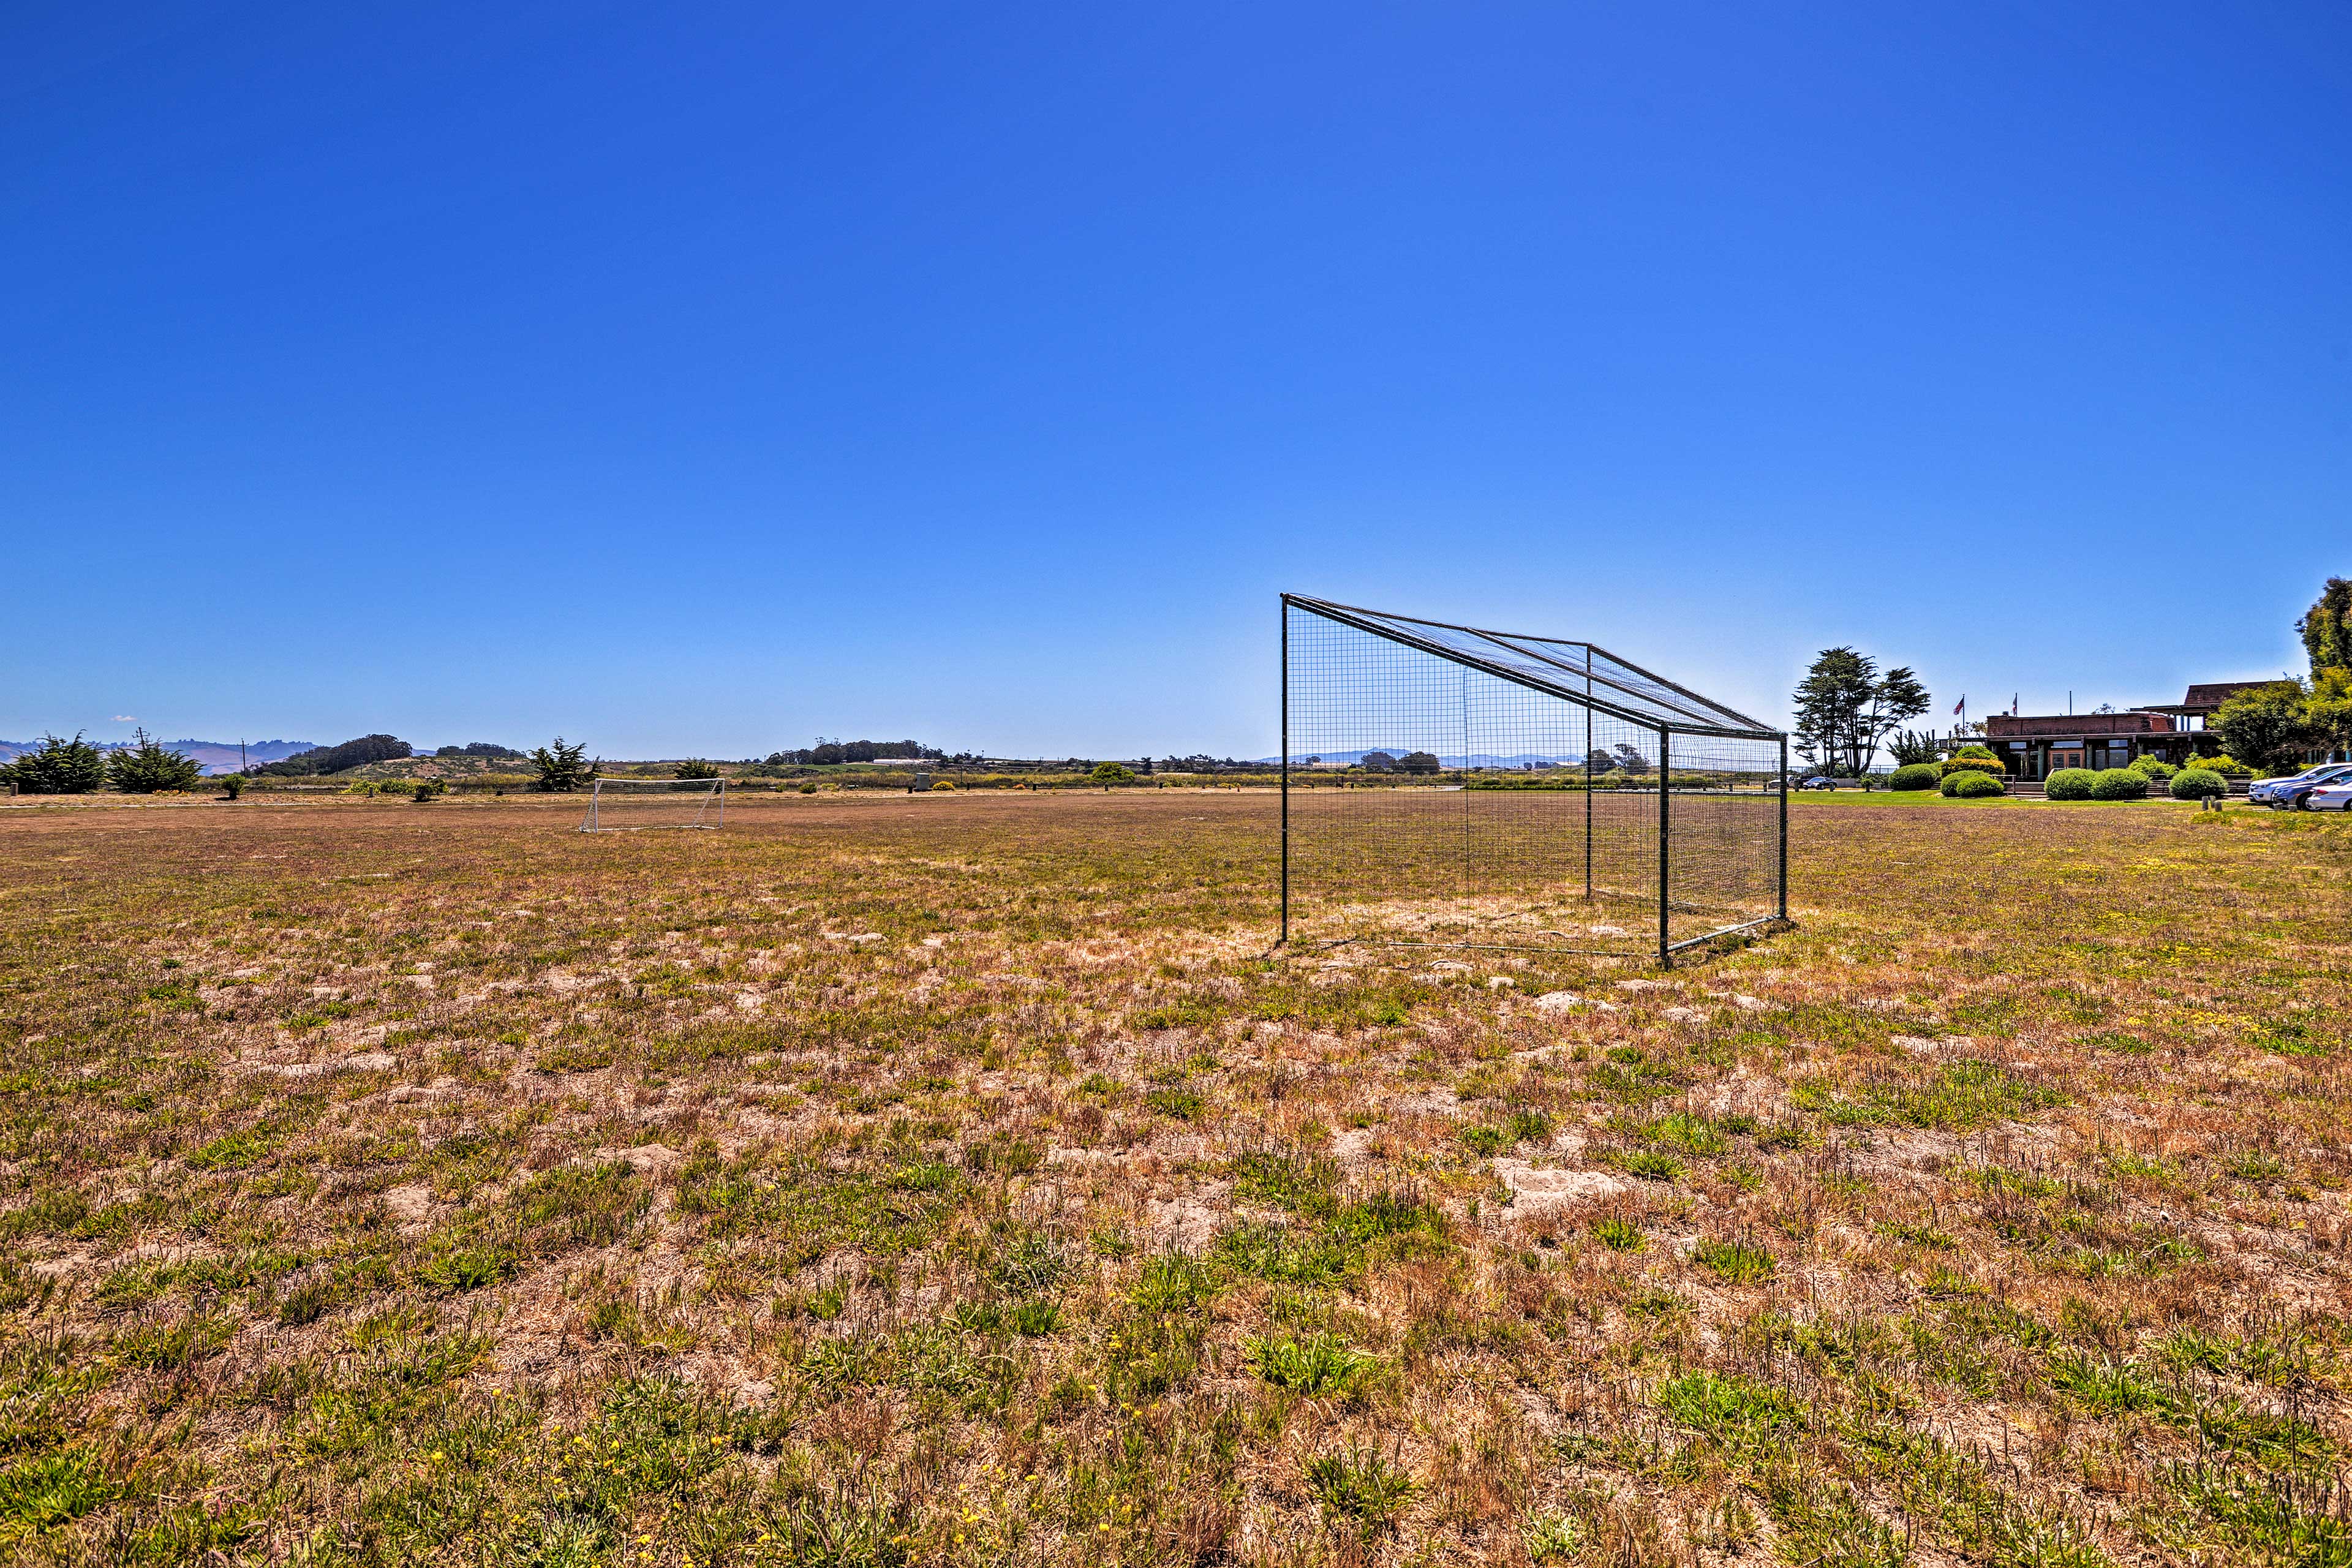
(1433, 799)
(1724, 845)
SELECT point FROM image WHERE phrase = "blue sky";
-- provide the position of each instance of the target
(704, 379)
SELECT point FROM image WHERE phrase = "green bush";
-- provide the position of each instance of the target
(1971, 785)
(561, 768)
(147, 768)
(58, 767)
(809, 788)
(696, 768)
(1964, 763)
(2198, 784)
(2070, 783)
(1917, 776)
(2155, 769)
(1111, 772)
(2228, 766)
(2118, 784)
(1911, 746)
(233, 785)
(430, 789)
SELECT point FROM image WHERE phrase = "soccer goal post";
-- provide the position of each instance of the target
(1448, 786)
(627, 805)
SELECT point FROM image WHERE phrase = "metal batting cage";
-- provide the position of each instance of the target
(1452, 786)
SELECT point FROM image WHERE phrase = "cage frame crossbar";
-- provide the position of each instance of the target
(1693, 714)
(1383, 623)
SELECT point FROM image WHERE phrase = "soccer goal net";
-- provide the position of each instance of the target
(1447, 786)
(622, 804)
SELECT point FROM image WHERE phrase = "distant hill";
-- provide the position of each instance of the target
(351, 754)
(220, 756)
(213, 756)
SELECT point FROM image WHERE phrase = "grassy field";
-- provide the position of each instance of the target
(958, 1180)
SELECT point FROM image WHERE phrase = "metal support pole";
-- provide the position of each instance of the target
(1665, 840)
(1588, 773)
(1784, 828)
(1286, 772)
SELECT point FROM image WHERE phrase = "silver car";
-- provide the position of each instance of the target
(2329, 797)
(2289, 792)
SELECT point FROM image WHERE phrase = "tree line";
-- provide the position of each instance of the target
(832, 753)
(59, 767)
(78, 766)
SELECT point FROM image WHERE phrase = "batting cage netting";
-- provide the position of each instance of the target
(1451, 787)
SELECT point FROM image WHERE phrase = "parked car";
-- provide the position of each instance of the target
(2259, 792)
(2329, 797)
(1819, 781)
(2288, 793)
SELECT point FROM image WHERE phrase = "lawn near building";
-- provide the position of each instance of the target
(959, 1179)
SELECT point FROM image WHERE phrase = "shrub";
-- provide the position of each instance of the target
(2153, 768)
(1972, 785)
(58, 767)
(947, 784)
(809, 788)
(696, 768)
(562, 768)
(430, 789)
(2118, 784)
(2228, 766)
(1910, 747)
(148, 769)
(1915, 775)
(1966, 764)
(2198, 784)
(2070, 783)
(1111, 772)
(233, 785)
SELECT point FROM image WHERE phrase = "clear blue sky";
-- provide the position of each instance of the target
(704, 378)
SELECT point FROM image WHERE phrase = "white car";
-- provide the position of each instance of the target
(2329, 797)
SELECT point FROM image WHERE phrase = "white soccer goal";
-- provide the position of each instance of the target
(621, 806)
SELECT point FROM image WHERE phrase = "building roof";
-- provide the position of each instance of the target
(2205, 697)
(1580, 672)
(2138, 722)
(2213, 693)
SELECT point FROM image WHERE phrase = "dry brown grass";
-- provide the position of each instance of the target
(957, 1180)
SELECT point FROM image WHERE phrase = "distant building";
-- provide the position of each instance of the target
(2035, 745)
